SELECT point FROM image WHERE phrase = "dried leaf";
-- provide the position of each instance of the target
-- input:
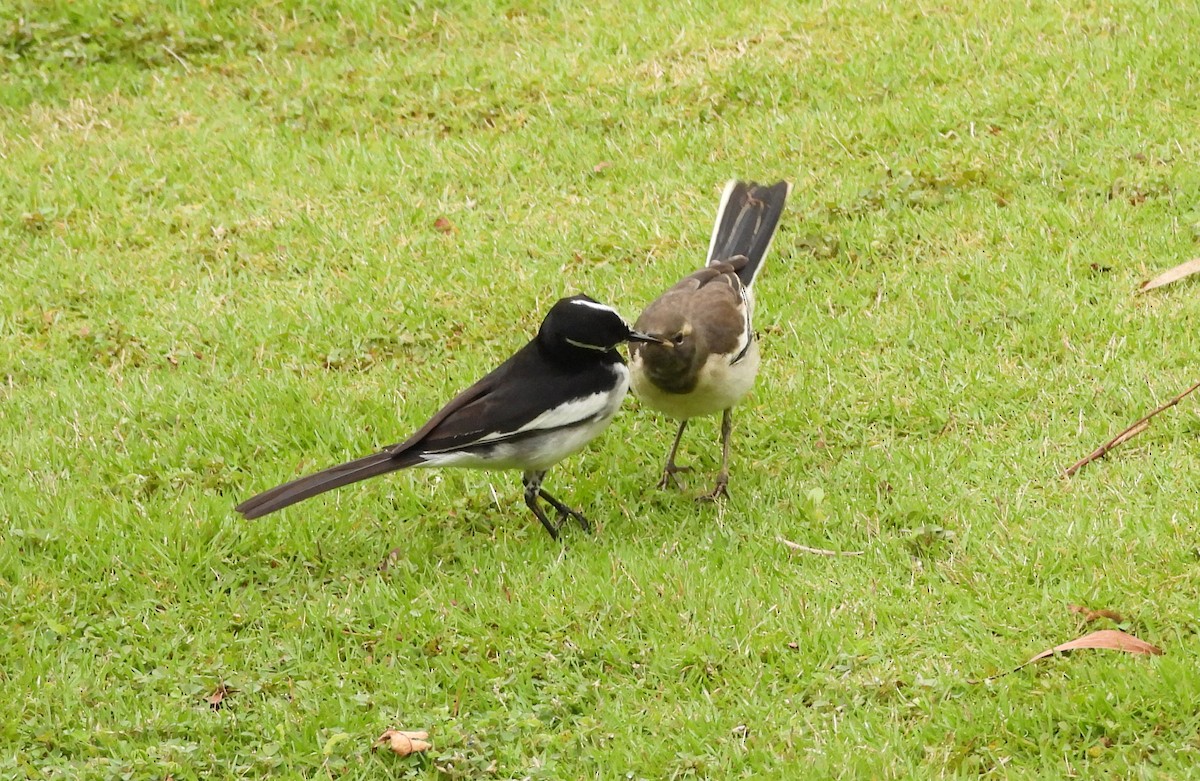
(1103, 640)
(1090, 615)
(1173, 275)
(404, 743)
(216, 700)
(598, 167)
(443, 225)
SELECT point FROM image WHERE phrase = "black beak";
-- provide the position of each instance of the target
(638, 336)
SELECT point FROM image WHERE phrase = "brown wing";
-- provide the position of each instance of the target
(712, 300)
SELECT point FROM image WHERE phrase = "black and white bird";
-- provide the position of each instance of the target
(546, 402)
(707, 357)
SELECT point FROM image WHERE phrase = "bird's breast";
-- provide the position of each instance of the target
(718, 386)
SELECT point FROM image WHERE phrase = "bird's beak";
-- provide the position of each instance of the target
(638, 336)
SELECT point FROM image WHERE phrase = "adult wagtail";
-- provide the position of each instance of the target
(706, 356)
(547, 401)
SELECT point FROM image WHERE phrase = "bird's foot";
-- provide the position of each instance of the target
(670, 475)
(565, 513)
(568, 514)
(719, 491)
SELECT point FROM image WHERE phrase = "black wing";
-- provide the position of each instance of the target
(502, 406)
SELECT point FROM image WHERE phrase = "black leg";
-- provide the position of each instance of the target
(533, 486)
(565, 512)
(722, 486)
(672, 469)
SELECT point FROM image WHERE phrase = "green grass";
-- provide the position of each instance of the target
(221, 270)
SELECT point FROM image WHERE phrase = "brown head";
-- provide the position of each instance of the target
(672, 364)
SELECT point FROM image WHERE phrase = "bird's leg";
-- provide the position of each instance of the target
(672, 469)
(722, 486)
(565, 512)
(533, 487)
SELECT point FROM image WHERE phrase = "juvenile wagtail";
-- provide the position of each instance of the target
(547, 401)
(705, 357)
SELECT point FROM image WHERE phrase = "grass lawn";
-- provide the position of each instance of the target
(220, 269)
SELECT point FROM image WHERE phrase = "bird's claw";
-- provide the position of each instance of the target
(566, 515)
(670, 475)
(719, 491)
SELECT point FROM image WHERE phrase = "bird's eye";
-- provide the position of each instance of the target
(677, 339)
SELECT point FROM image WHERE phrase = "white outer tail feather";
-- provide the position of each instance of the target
(712, 242)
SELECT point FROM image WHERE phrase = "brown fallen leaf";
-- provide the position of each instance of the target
(598, 167)
(443, 225)
(403, 743)
(1104, 640)
(216, 700)
(1090, 615)
(1172, 275)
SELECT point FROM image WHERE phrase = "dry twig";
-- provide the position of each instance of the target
(798, 548)
(1136, 428)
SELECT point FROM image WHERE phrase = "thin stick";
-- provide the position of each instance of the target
(798, 548)
(186, 68)
(1133, 430)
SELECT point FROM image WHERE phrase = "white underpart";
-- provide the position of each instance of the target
(721, 385)
(567, 429)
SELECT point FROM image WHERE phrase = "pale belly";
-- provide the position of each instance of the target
(720, 387)
(533, 453)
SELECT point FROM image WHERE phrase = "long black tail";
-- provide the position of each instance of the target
(326, 480)
(746, 222)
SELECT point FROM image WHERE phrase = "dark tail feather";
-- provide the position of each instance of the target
(326, 480)
(746, 222)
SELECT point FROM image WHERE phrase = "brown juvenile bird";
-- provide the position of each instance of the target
(708, 357)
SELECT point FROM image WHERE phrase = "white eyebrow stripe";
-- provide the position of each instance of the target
(594, 305)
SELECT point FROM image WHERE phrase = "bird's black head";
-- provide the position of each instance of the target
(580, 327)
